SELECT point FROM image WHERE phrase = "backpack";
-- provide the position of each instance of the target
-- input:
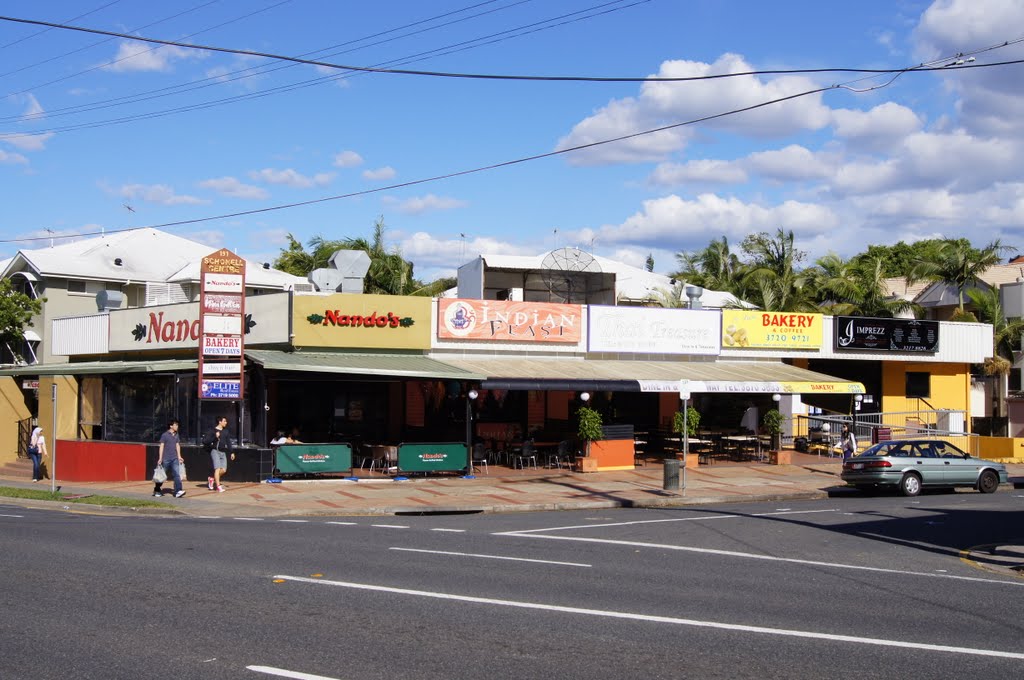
(209, 441)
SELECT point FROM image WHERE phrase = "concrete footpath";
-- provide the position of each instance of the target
(502, 490)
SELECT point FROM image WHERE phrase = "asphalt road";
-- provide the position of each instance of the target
(841, 588)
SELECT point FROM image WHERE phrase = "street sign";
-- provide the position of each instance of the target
(222, 325)
(220, 389)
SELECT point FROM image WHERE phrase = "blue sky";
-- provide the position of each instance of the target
(931, 154)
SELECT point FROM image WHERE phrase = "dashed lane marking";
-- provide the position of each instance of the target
(390, 526)
(12, 516)
(492, 557)
(282, 673)
(733, 627)
(451, 531)
(660, 521)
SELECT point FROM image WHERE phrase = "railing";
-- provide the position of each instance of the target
(947, 425)
(24, 434)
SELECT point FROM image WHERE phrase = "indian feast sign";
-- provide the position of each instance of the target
(508, 321)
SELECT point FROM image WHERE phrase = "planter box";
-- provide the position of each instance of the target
(784, 457)
(692, 460)
(585, 464)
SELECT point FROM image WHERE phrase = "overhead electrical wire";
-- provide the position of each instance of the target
(261, 70)
(254, 71)
(80, 16)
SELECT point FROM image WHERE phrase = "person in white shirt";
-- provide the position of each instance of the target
(848, 442)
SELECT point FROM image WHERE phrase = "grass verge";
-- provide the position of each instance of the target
(46, 495)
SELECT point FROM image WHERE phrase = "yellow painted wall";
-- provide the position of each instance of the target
(1001, 448)
(950, 387)
(12, 410)
(67, 407)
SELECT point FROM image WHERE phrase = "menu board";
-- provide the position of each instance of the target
(893, 335)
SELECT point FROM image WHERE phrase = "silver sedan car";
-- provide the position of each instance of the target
(915, 464)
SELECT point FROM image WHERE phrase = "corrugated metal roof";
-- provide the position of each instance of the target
(601, 369)
(407, 365)
(102, 367)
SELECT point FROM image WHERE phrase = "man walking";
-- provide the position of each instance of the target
(218, 442)
(170, 458)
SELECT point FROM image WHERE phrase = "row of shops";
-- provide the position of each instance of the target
(367, 370)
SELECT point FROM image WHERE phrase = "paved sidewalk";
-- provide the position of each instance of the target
(502, 490)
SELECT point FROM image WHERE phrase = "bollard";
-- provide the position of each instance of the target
(671, 481)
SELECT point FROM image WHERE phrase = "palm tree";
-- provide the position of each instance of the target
(1006, 339)
(853, 287)
(715, 267)
(772, 281)
(957, 264)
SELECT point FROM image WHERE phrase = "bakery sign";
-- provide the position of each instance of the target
(500, 320)
(747, 329)
(892, 335)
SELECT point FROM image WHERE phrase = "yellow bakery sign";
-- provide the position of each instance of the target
(772, 330)
(361, 321)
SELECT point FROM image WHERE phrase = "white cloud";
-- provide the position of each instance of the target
(668, 103)
(137, 56)
(230, 186)
(28, 142)
(347, 159)
(706, 171)
(11, 158)
(435, 257)
(422, 204)
(673, 222)
(380, 174)
(157, 193)
(881, 125)
(289, 177)
(211, 237)
(793, 163)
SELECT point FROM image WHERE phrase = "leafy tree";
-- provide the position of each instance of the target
(649, 264)
(852, 287)
(897, 259)
(715, 267)
(389, 272)
(434, 288)
(1006, 334)
(958, 264)
(16, 312)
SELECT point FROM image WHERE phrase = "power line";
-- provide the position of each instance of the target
(438, 178)
(80, 16)
(571, 17)
(493, 76)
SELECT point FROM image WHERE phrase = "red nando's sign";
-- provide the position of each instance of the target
(374, 320)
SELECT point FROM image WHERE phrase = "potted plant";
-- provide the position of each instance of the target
(692, 419)
(772, 424)
(589, 427)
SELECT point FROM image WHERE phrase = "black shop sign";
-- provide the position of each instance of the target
(893, 335)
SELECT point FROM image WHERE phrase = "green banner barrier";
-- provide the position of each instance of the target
(304, 459)
(446, 457)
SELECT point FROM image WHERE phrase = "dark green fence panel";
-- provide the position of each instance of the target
(444, 457)
(305, 459)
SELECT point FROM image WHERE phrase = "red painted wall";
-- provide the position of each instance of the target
(97, 461)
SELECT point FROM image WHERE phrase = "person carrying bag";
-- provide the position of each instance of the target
(37, 451)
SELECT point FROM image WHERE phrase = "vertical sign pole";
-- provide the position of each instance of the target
(686, 436)
(53, 442)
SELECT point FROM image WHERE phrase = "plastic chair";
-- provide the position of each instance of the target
(526, 455)
(480, 456)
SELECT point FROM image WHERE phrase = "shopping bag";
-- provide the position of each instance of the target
(159, 474)
(181, 470)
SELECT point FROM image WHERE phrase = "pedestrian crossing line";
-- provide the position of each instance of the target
(814, 636)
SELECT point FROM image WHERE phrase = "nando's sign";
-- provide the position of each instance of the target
(177, 326)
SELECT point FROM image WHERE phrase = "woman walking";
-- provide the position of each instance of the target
(37, 451)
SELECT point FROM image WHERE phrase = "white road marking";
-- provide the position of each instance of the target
(390, 526)
(453, 531)
(12, 516)
(207, 516)
(492, 557)
(659, 521)
(812, 635)
(294, 521)
(348, 524)
(249, 519)
(282, 673)
(769, 558)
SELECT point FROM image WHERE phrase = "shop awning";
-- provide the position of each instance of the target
(401, 365)
(652, 376)
(101, 367)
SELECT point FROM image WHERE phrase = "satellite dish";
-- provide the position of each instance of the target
(566, 273)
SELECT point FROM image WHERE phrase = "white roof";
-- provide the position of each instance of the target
(145, 255)
(631, 282)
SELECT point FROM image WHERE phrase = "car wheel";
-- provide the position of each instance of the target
(910, 485)
(988, 482)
